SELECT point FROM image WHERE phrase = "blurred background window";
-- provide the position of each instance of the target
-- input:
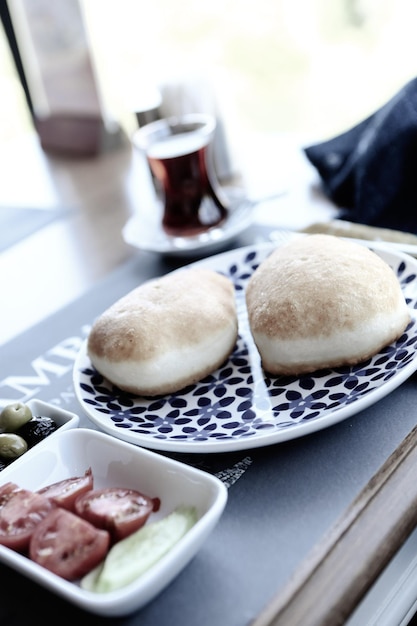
(310, 67)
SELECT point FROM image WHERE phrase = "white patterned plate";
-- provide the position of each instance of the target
(238, 407)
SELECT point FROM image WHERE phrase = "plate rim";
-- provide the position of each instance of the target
(297, 430)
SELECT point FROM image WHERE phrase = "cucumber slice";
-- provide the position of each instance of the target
(131, 557)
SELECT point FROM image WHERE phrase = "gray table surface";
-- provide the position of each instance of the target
(280, 506)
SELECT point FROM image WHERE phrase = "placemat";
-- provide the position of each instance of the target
(282, 498)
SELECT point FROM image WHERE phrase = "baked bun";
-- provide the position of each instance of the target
(321, 302)
(167, 333)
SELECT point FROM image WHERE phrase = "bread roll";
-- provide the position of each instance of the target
(167, 333)
(321, 302)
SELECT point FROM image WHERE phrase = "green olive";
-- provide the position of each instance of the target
(12, 445)
(13, 416)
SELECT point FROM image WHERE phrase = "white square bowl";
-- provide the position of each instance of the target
(119, 464)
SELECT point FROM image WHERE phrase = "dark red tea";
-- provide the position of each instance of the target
(180, 161)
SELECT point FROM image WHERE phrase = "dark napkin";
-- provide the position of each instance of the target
(370, 171)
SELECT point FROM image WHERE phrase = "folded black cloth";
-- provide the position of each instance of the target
(370, 171)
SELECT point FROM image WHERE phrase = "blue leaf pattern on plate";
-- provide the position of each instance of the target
(239, 406)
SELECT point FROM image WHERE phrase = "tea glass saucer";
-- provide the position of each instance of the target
(144, 231)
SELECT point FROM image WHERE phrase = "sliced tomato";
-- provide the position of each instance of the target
(65, 492)
(67, 545)
(120, 511)
(20, 515)
(6, 491)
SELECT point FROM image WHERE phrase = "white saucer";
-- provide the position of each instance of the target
(145, 232)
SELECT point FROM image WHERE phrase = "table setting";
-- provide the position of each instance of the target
(291, 486)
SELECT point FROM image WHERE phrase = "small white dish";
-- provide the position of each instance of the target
(144, 231)
(62, 418)
(120, 464)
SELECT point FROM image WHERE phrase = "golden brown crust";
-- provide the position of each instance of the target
(166, 318)
(321, 287)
